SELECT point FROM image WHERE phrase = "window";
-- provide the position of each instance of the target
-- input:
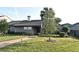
(27, 28)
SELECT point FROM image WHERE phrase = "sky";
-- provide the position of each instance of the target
(21, 13)
(67, 10)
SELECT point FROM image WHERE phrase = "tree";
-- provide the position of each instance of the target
(67, 25)
(50, 23)
(58, 20)
(3, 26)
(65, 29)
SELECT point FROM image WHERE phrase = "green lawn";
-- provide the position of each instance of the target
(8, 37)
(40, 44)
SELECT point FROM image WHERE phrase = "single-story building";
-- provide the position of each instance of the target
(74, 30)
(25, 26)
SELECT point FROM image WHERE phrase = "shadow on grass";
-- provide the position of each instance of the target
(75, 37)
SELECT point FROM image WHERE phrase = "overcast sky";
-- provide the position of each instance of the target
(67, 10)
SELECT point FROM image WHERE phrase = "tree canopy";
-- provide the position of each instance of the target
(49, 21)
(3, 26)
(65, 29)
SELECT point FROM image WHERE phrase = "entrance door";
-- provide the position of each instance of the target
(36, 30)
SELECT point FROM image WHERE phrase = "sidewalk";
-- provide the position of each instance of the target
(6, 43)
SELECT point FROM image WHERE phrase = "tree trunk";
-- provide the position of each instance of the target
(49, 38)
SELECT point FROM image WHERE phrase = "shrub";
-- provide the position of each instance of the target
(62, 34)
(57, 32)
(47, 35)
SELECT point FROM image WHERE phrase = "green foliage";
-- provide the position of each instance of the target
(67, 25)
(47, 35)
(65, 29)
(58, 20)
(49, 22)
(62, 34)
(3, 26)
(19, 33)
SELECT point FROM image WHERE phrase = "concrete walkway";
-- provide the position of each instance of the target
(6, 43)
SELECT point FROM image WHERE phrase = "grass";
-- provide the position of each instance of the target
(8, 37)
(40, 44)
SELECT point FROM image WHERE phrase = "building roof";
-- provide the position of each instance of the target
(26, 23)
(75, 26)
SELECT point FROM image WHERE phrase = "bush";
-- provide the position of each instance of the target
(62, 34)
(57, 32)
(47, 35)
(15, 33)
